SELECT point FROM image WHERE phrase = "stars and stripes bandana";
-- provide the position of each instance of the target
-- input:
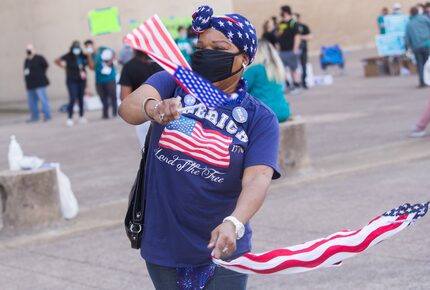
(235, 27)
(329, 251)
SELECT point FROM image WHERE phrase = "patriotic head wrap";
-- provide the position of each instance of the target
(235, 27)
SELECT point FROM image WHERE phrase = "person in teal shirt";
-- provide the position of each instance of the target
(381, 23)
(265, 79)
(184, 43)
(101, 61)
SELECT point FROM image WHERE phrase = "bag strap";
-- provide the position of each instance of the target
(139, 195)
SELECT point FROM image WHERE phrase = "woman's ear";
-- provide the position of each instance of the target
(245, 59)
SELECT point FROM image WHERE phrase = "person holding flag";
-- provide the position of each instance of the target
(208, 169)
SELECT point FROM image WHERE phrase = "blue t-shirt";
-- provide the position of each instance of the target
(193, 175)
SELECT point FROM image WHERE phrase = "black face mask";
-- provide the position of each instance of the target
(214, 65)
(29, 52)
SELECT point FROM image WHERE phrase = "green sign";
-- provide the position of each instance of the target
(105, 20)
(172, 24)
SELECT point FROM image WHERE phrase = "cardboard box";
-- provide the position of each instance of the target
(375, 66)
(393, 66)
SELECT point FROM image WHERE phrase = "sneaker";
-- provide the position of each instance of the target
(417, 133)
(83, 120)
(69, 123)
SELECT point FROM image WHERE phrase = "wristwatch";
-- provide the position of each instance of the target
(240, 228)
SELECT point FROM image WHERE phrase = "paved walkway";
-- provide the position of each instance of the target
(363, 164)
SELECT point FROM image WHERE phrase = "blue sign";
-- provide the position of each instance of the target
(395, 23)
(391, 44)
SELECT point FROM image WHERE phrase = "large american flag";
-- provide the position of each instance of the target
(153, 38)
(329, 251)
(188, 136)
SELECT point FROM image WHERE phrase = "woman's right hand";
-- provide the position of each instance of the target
(164, 111)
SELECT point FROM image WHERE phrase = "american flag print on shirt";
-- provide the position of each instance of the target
(329, 251)
(188, 136)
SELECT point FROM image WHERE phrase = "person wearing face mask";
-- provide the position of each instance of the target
(207, 171)
(75, 63)
(289, 41)
(101, 60)
(36, 81)
(184, 43)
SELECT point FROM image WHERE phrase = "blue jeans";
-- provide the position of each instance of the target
(421, 56)
(76, 93)
(35, 95)
(164, 278)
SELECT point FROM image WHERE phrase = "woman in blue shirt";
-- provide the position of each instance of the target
(207, 171)
(265, 79)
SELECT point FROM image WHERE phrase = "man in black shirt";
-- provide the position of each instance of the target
(35, 67)
(305, 34)
(289, 42)
(133, 75)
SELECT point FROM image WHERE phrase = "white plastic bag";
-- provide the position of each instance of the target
(30, 162)
(15, 154)
(427, 72)
(68, 201)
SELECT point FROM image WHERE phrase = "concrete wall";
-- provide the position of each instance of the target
(53, 24)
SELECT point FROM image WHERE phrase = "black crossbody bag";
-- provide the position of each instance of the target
(135, 217)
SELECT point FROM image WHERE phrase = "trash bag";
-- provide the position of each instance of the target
(68, 201)
(15, 154)
(427, 72)
(30, 162)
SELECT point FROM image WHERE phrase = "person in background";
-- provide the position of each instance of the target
(101, 60)
(289, 42)
(397, 9)
(125, 54)
(265, 77)
(133, 75)
(75, 63)
(418, 40)
(427, 9)
(381, 23)
(192, 36)
(305, 35)
(184, 43)
(36, 81)
(269, 31)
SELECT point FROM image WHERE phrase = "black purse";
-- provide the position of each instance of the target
(135, 217)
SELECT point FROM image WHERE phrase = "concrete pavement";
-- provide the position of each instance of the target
(363, 165)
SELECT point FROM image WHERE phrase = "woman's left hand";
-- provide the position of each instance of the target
(223, 240)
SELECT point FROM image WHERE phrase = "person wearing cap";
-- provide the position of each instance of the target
(397, 9)
(74, 63)
(208, 170)
(101, 60)
(36, 81)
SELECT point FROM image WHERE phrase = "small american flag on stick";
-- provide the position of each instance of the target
(153, 38)
(329, 251)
